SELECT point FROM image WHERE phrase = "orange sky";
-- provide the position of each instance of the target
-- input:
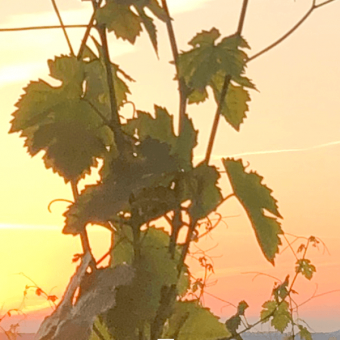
(297, 109)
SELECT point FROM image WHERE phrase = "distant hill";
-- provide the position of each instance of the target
(279, 336)
(245, 336)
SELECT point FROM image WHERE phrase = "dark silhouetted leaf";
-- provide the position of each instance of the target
(156, 269)
(255, 198)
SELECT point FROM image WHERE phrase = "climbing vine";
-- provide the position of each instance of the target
(148, 174)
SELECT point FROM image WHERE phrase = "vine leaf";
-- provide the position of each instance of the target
(103, 330)
(242, 306)
(190, 321)
(305, 267)
(235, 104)
(233, 324)
(58, 121)
(304, 333)
(205, 194)
(118, 16)
(198, 96)
(208, 63)
(161, 129)
(281, 291)
(185, 143)
(149, 26)
(97, 91)
(198, 65)
(139, 302)
(278, 313)
(256, 197)
(139, 186)
(120, 19)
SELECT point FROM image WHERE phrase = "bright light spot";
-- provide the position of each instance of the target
(15, 73)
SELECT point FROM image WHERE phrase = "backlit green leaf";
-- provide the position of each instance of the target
(199, 65)
(256, 198)
(278, 313)
(190, 321)
(235, 104)
(305, 268)
(58, 121)
(120, 19)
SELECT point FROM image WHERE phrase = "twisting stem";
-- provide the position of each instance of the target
(63, 26)
(224, 90)
(293, 29)
(285, 36)
(181, 84)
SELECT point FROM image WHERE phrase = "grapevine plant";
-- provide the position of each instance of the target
(147, 175)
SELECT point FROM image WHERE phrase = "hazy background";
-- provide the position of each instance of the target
(293, 122)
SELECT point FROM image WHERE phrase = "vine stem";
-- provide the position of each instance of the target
(292, 30)
(224, 91)
(115, 121)
(181, 84)
(83, 234)
(88, 29)
(85, 243)
(36, 28)
(314, 6)
(63, 27)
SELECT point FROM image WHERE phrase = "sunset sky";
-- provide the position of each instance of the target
(291, 137)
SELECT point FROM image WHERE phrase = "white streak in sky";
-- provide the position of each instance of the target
(319, 146)
(266, 152)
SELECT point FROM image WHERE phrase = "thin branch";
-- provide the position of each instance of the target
(114, 121)
(242, 17)
(88, 30)
(290, 246)
(259, 274)
(323, 3)
(33, 28)
(217, 118)
(293, 29)
(62, 26)
(224, 90)
(285, 36)
(181, 83)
